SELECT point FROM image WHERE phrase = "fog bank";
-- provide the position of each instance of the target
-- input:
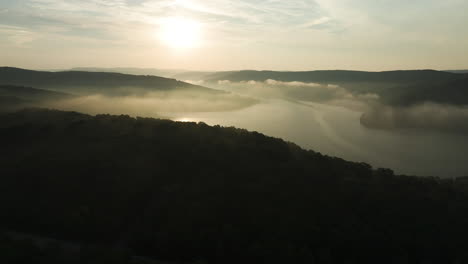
(151, 104)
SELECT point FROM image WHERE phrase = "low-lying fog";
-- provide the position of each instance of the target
(336, 131)
(327, 118)
(427, 139)
(150, 104)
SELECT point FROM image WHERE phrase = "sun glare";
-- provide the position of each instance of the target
(180, 33)
(184, 120)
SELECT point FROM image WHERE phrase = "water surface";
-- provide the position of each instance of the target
(336, 131)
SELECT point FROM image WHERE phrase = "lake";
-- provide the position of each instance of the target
(336, 131)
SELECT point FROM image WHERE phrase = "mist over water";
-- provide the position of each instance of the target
(425, 140)
(334, 128)
(151, 104)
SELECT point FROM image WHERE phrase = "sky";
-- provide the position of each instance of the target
(213, 35)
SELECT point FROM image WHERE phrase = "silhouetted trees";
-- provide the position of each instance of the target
(191, 192)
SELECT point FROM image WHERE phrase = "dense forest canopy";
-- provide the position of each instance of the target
(188, 191)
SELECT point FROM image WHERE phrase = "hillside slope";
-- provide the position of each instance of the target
(449, 92)
(17, 97)
(91, 82)
(393, 87)
(188, 191)
(336, 76)
(29, 93)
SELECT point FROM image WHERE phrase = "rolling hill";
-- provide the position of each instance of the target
(167, 73)
(95, 82)
(393, 87)
(191, 192)
(336, 76)
(449, 92)
(17, 97)
(29, 93)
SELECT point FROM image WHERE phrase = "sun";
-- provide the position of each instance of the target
(180, 33)
(183, 119)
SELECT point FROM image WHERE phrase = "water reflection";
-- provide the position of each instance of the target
(337, 131)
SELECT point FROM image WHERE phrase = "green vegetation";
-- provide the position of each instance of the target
(191, 192)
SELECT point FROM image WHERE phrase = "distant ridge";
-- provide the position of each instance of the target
(91, 81)
(450, 92)
(167, 73)
(457, 71)
(31, 93)
(405, 76)
(403, 87)
(16, 97)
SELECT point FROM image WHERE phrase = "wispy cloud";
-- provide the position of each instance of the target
(268, 13)
(232, 22)
(309, 33)
(17, 35)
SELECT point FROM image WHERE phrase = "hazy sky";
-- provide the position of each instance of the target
(235, 34)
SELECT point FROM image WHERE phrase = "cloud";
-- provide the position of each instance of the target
(300, 91)
(327, 34)
(199, 82)
(18, 36)
(291, 84)
(101, 15)
(324, 22)
(254, 12)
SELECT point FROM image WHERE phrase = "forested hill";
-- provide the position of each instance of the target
(17, 97)
(393, 87)
(452, 92)
(29, 93)
(103, 82)
(337, 76)
(192, 192)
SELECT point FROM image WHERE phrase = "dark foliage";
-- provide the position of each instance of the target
(189, 191)
(17, 97)
(451, 92)
(11, 103)
(16, 248)
(29, 93)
